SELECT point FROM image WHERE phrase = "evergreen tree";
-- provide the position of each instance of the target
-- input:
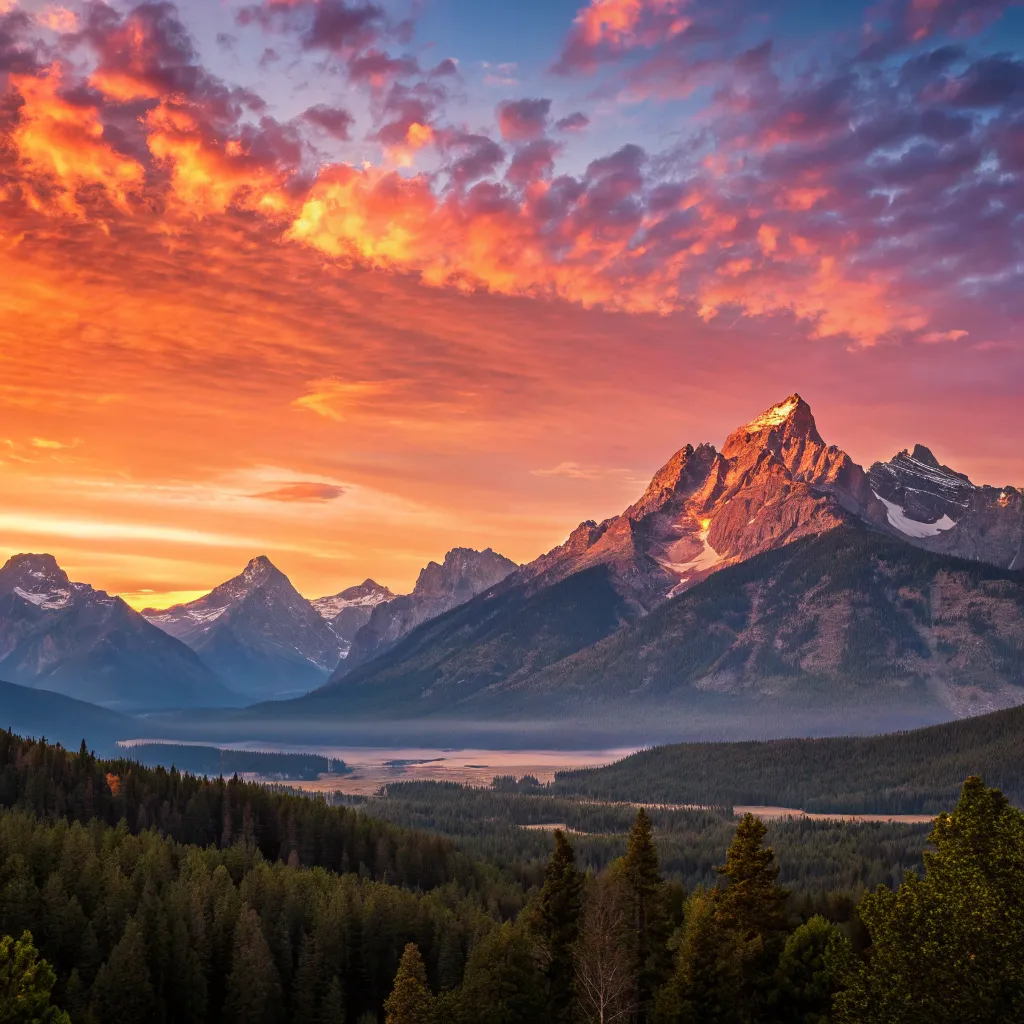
(558, 922)
(704, 988)
(123, 990)
(811, 971)
(948, 946)
(411, 1001)
(642, 872)
(752, 903)
(254, 985)
(503, 983)
(25, 984)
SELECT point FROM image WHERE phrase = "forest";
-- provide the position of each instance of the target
(915, 772)
(217, 761)
(137, 895)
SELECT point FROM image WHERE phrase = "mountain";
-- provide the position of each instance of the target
(462, 575)
(258, 632)
(346, 613)
(61, 719)
(936, 508)
(769, 584)
(774, 481)
(69, 638)
(849, 629)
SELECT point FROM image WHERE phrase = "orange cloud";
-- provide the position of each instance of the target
(63, 144)
(57, 19)
(208, 176)
(303, 492)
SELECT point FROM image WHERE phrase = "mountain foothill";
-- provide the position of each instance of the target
(770, 585)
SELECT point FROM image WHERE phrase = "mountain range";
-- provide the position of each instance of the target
(69, 638)
(774, 584)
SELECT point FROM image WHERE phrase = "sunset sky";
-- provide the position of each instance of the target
(352, 283)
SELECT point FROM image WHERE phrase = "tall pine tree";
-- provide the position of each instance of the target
(642, 872)
(411, 1001)
(25, 984)
(558, 925)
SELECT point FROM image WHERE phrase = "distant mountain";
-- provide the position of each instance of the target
(64, 720)
(848, 631)
(258, 632)
(774, 481)
(69, 638)
(346, 613)
(439, 588)
(934, 507)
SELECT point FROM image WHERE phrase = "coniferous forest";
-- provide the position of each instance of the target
(132, 894)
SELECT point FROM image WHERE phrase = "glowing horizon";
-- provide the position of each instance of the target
(351, 284)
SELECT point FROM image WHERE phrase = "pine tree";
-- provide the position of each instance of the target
(642, 872)
(811, 971)
(253, 986)
(558, 923)
(704, 986)
(751, 908)
(25, 984)
(123, 991)
(411, 1001)
(503, 983)
(752, 904)
(948, 946)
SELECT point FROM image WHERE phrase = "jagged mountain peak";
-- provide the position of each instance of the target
(260, 569)
(781, 424)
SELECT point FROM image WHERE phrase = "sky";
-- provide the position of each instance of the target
(352, 282)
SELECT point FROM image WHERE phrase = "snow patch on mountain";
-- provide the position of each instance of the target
(911, 527)
(49, 601)
(776, 415)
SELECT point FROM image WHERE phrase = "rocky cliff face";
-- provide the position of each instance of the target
(462, 575)
(258, 632)
(72, 639)
(937, 508)
(774, 481)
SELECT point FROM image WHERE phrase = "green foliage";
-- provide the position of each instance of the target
(25, 984)
(642, 873)
(812, 969)
(54, 783)
(411, 1001)
(504, 983)
(216, 761)
(557, 923)
(918, 772)
(948, 946)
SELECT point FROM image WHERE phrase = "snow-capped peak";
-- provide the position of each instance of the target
(776, 415)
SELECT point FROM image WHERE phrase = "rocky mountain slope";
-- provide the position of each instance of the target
(71, 639)
(803, 588)
(462, 575)
(347, 612)
(258, 632)
(774, 481)
(845, 631)
(934, 507)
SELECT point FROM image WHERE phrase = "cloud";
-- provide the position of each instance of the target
(576, 471)
(43, 442)
(575, 122)
(523, 120)
(334, 121)
(305, 491)
(332, 398)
